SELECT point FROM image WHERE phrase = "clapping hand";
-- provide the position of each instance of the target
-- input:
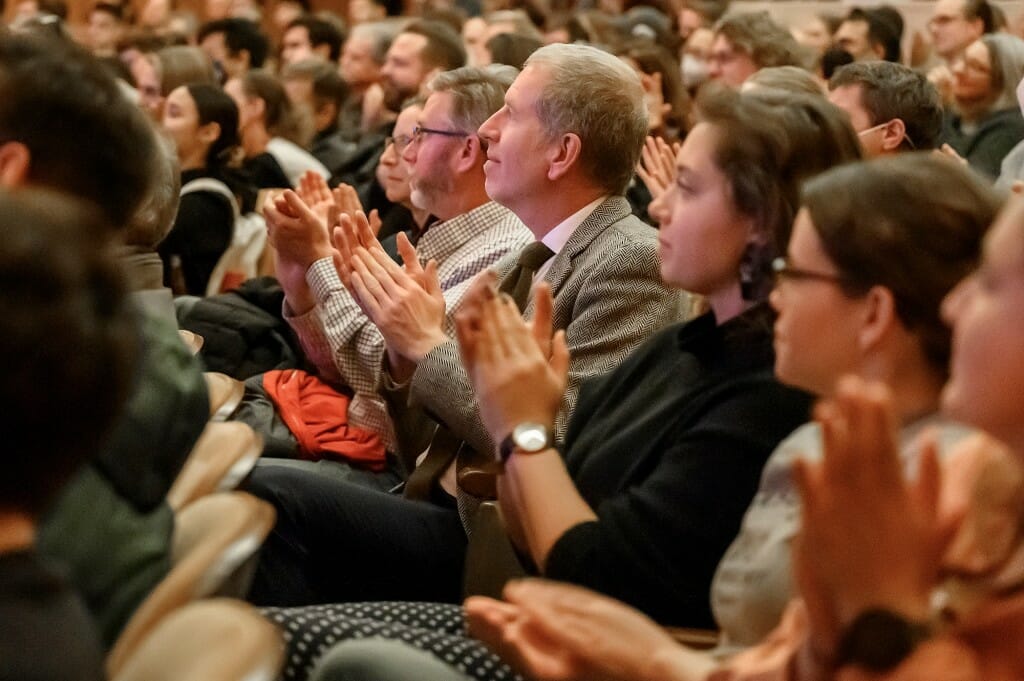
(657, 167)
(560, 632)
(405, 302)
(518, 370)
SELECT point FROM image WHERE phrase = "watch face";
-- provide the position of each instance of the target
(530, 437)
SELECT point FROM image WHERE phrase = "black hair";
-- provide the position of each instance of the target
(320, 33)
(83, 135)
(213, 105)
(239, 34)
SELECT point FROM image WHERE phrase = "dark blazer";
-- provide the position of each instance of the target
(608, 297)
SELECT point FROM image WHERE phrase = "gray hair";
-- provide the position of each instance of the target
(155, 216)
(1006, 52)
(477, 92)
(379, 34)
(597, 97)
(785, 78)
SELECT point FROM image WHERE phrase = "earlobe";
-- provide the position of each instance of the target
(566, 155)
(15, 161)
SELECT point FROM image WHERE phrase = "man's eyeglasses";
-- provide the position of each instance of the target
(419, 131)
(906, 137)
(782, 270)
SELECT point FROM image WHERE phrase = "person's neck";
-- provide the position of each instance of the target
(728, 303)
(254, 140)
(17, 531)
(419, 216)
(915, 387)
(544, 213)
(469, 195)
(194, 162)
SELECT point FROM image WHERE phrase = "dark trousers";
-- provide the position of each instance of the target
(337, 541)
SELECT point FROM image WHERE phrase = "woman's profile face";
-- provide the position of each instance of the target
(816, 330)
(181, 122)
(972, 74)
(393, 172)
(702, 233)
(986, 310)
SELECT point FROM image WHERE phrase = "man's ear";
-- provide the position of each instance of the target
(566, 154)
(893, 134)
(471, 154)
(879, 50)
(15, 162)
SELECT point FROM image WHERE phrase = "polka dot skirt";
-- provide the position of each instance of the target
(438, 628)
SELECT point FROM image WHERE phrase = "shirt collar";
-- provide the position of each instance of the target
(562, 232)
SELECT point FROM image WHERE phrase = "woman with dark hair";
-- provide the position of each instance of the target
(985, 122)
(274, 134)
(203, 123)
(663, 454)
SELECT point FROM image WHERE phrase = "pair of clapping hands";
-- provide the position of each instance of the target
(502, 353)
(870, 539)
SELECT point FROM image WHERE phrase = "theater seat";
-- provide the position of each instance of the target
(215, 543)
(225, 394)
(222, 457)
(213, 640)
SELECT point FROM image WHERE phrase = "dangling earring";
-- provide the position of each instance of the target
(754, 268)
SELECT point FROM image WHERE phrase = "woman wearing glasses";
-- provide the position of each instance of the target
(393, 176)
(985, 122)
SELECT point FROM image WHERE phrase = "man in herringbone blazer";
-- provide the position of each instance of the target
(602, 263)
(563, 174)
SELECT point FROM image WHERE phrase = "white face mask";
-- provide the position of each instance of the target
(694, 70)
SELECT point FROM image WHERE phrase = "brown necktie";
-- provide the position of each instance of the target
(520, 279)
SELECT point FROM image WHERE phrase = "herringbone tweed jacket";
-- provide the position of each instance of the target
(608, 297)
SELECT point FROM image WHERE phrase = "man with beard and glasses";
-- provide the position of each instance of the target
(446, 177)
(417, 54)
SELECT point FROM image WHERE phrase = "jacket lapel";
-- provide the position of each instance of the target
(611, 210)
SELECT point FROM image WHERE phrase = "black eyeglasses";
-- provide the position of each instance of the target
(419, 131)
(400, 142)
(782, 270)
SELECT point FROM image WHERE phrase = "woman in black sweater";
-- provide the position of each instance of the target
(203, 122)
